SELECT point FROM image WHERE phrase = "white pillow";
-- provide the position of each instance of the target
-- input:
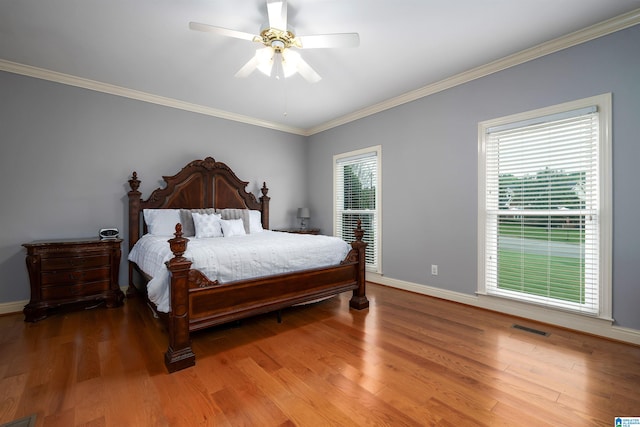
(188, 228)
(232, 227)
(161, 222)
(255, 222)
(206, 225)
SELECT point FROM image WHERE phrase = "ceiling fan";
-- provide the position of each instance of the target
(278, 39)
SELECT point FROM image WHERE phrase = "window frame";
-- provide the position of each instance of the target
(604, 170)
(377, 151)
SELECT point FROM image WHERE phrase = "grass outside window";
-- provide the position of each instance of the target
(550, 275)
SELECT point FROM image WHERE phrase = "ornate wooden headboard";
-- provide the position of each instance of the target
(200, 184)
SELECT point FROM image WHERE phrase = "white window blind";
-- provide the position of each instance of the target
(357, 196)
(542, 210)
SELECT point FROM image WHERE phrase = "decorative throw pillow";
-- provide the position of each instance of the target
(206, 225)
(161, 222)
(232, 227)
(188, 228)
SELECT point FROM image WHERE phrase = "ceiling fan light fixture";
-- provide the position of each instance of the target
(269, 58)
(264, 58)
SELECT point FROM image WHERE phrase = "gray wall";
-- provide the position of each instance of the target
(67, 153)
(429, 164)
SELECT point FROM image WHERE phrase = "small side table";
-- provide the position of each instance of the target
(300, 230)
(71, 271)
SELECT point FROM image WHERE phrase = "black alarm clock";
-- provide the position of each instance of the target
(109, 233)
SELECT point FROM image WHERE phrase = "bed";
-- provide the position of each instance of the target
(195, 300)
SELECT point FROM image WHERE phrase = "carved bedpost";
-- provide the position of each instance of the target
(359, 299)
(179, 354)
(134, 225)
(264, 201)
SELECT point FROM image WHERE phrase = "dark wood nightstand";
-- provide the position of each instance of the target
(300, 230)
(70, 271)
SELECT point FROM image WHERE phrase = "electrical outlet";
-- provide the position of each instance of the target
(434, 270)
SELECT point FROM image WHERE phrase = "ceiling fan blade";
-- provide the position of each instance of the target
(292, 62)
(277, 12)
(307, 72)
(221, 31)
(321, 41)
(247, 68)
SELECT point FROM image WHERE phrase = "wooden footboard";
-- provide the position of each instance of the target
(197, 302)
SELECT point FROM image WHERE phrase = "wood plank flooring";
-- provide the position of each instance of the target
(409, 360)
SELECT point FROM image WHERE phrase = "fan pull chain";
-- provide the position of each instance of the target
(280, 76)
(284, 97)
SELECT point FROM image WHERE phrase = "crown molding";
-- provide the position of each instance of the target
(70, 80)
(578, 37)
(581, 36)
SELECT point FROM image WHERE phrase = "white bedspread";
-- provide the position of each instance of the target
(228, 259)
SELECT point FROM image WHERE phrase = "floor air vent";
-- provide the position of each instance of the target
(533, 331)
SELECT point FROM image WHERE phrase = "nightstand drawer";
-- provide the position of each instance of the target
(65, 277)
(49, 264)
(52, 293)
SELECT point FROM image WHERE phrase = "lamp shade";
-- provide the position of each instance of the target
(303, 213)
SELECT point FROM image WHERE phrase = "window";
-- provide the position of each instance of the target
(357, 197)
(545, 207)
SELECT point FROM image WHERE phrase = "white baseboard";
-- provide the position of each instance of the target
(12, 307)
(593, 326)
(17, 306)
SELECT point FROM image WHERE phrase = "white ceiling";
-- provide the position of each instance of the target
(146, 46)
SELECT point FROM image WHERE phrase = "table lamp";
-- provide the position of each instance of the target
(303, 214)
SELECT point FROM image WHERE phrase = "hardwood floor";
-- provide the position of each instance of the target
(408, 360)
